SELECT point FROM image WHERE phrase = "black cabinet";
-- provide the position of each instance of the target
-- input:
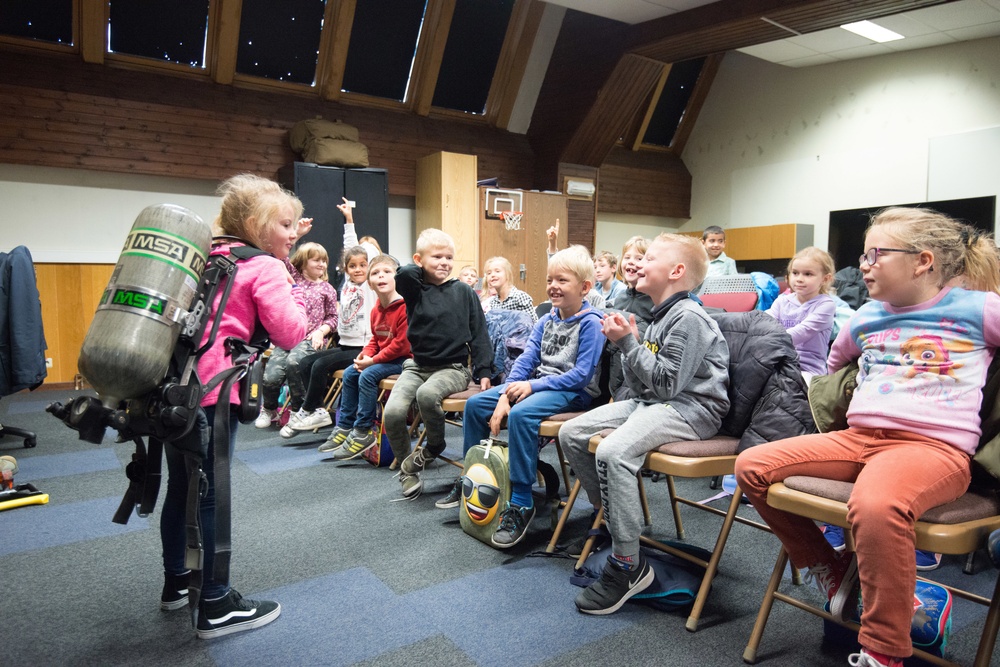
(321, 189)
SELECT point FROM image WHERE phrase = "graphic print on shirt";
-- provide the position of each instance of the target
(931, 354)
(353, 308)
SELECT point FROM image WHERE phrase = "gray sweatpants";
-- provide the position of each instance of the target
(428, 386)
(609, 477)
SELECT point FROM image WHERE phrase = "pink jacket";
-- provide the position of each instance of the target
(262, 290)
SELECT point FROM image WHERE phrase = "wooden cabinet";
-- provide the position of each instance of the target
(447, 199)
(524, 248)
(771, 242)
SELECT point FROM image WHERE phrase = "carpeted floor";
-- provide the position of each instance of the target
(361, 579)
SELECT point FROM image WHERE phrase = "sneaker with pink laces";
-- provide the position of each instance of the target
(838, 581)
(863, 659)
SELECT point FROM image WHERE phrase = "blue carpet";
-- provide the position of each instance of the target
(25, 407)
(69, 463)
(42, 526)
(519, 614)
(267, 460)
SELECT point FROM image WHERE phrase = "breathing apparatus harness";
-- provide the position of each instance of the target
(170, 412)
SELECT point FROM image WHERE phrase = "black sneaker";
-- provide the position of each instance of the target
(454, 497)
(175, 591)
(514, 523)
(615, 587)
(234, 613)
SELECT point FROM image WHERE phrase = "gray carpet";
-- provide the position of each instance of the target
(362, 579)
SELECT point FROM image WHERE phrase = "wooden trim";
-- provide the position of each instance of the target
(338, 21)
(513, 58)
(93, 21)
(224, 37)
(456, 115)
(640, 133)
(696, 102)
(142, 64)
(371, 101)
(35, 46)
(250, 82)
(430, 53)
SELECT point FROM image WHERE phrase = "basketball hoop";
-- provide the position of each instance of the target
(512, 220)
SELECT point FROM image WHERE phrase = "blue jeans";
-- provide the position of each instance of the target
(173, 516)
(523, 422)
(360, 393)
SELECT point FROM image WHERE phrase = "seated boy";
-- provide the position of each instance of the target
(676, 382)
(445, 324)
(381, 357)
(554, 374)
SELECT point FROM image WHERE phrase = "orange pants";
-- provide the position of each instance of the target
(897, 477)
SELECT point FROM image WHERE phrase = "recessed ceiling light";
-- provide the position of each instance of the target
(872, 31)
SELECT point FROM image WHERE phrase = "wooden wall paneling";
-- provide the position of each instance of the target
(224, 38)
(92, 22)
(645, 183)
(581, 214)
(58, 113)
(338, 20)
(430, 52)
(69, 294)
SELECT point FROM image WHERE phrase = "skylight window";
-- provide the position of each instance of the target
(673, 102)
(872, 31)
(383, 44)
(161, 29)
(46, 20)
(280, 40)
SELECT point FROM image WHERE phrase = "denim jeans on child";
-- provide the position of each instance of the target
(360, 393)
(522, 424)
(174, 514)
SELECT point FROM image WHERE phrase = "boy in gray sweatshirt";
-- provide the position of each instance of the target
(676, 379)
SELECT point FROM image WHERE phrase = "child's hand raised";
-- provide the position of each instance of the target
(552, 234)
(346, 209)
(615, 327)
(304, 227)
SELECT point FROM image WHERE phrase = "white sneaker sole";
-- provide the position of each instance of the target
(240, 627)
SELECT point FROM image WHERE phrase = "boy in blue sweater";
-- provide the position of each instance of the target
(554, 374)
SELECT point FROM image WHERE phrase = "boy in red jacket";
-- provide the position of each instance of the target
(382, 356)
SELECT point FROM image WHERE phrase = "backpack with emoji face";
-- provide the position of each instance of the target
(485, 489)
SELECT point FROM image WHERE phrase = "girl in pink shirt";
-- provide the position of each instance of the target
(256, 212)
(923, 348)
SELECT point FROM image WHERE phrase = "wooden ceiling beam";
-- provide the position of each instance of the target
(513, 61)
(333, 42)
(619, 99)
(734, 24)
(430, 53)
(93, 32)
(224, 39)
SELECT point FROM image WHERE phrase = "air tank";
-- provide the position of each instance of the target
(127, 350)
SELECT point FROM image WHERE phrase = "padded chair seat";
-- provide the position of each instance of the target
(563, 416)
(721, 445)
(972, 506)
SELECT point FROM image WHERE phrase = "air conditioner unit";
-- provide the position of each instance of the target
(582, 189)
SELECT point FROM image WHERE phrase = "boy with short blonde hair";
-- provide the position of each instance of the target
(676, 381)
(554, 374)
(445, 324)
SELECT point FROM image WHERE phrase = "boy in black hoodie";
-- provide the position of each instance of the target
(446, 326)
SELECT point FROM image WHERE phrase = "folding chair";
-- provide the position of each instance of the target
(731, 302)
(956, 528)
(333, 393)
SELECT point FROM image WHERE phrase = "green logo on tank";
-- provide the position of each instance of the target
(136, 299)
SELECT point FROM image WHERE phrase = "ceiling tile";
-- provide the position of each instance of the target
(904, 25)
(861, 52)
(833, 39)
(921, 42)
(976, 31)
(954, 15)
(818, 59)
(778, 51)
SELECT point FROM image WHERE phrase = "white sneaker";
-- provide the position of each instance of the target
(266, 418)
(308, 421)
(288, 430)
